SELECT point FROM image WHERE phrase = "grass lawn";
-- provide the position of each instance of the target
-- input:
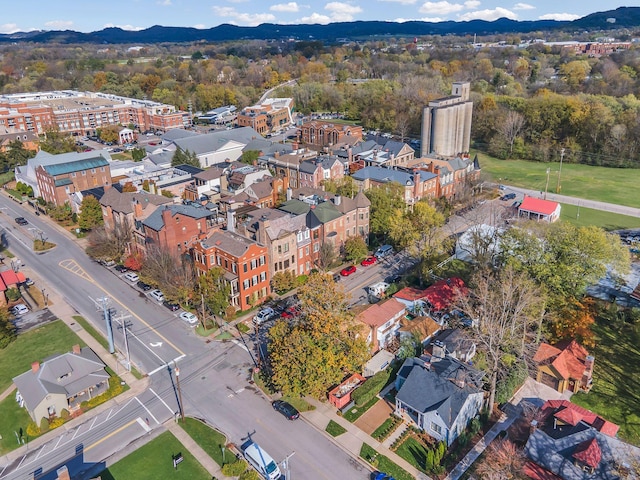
(210, 440)
(599, 218)
(34, 345)
(354, 413)
(13, 418)
(384, 430)
(383, 464)
(414, 452)
(335, 429)
(153, 461)
(299, 403)
(612, 185)
(616, 379)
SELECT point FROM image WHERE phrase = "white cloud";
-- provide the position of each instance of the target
(200, 26)
(9, 28)
(249, 19)
(342, 12)
(285, 7)
(424, 19)
(440, 8)
(559, 16)
(131, 28)
(488, 15)
(315, 18)
(471, 4)
(59, 24)
(164, 3)
(402, 2)
(523, 6)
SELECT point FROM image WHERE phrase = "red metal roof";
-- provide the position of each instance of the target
(589, 453)
(538, 205)
(572, 414)
(11, 278)
(569, 358)
(409, 293)
(443, 293)
(536, 472)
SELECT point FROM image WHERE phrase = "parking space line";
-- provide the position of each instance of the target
(148, 411)
(41, 450)
(76, 432)
(162, 400)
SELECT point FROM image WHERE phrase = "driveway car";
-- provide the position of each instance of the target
(132, 277)
(263, 315)
(286, 409)
(508, 196)
(368, 261)
(345, 272)
(143, 286)
(189, 317)
(19, 309)
(171, 306)
(157, 295)
(21, 221)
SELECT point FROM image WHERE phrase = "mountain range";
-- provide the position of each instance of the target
(625, 17)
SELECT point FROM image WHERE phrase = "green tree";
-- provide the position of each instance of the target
(90, 213)
(385, 202)
(108, 134)
(137, 154)
(55, 142)
(310, 355)
(181, 157)
(355, 249)
(215, 291)
(7, 329)
(250, 156)
(18, 155)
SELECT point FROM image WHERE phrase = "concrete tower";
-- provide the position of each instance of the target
(446, 123)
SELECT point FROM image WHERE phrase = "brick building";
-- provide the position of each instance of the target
(271, 115)
(175, 228)
(323, 134)
(244, 261)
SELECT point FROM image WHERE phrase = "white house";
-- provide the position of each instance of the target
(439, 396)
(382, 321)
(539, 209)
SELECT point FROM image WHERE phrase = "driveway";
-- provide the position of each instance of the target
(374, 417)
(536, 393)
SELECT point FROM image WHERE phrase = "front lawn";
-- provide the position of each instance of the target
(387, 428)
(383, 464)
(355, 413)
(335, 429)
(14, 419)
(34, 345)
(612, 185)
(616, 378)
(153, 461)
(300, 404)
(599, 218)
(210, 440)
(414, 452)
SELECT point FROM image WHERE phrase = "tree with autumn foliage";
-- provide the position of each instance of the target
(322, 346)
(134, 262)
(574, 322)
(502, 460)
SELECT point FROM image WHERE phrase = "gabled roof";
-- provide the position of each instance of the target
(589, 453)
(262, 188)
(211, 142)
(572, 414)
(76, 165)
(538, 205)
(567, 358)
(123, 202)
(177, 133)
(380, 313)
(443, 390)
(210, 173)
(443, 293)
(383, 175)
(229, 242)
(156, 222)
(361, 200)
(325, 212)
(410, 294)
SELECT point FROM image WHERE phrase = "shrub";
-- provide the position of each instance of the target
(430, 460)
(249, 475)
(234, 469)
(370, 388)
(55, 423)
(64, 414)
(474, 426)
(44, 424)
(13, 294)
(33, 430)
(515, 377)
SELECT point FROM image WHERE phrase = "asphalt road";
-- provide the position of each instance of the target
(214, 376)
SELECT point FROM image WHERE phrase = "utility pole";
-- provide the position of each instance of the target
(285, 465)
(123, 324)
(546, 187)
(103, 303)
(179, 391)
(560, 170)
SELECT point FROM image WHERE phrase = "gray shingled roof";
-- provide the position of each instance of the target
(211, 142)
(79, 372)
(155, 221)
(122, 202)
(176, 134)
(383, 175)
(228, 242)
(433, 390)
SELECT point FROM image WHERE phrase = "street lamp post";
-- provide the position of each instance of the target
(44, 297)
(179, 393)
(560, 170)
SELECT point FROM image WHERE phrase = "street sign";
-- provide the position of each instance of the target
(177, 459)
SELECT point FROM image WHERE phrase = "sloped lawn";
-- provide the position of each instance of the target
(616, 379)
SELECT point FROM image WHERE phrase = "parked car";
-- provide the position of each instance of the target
(157, 295)
(286, 409)
(383, 251)
(19, 309)
(508, 196)
(336, 277)
(263, 315)
(345, 272)
(189, 317)
(21, 221)
(171, 306)
(291, 312)
(132, 277)
(143, 286)
(28, 282)
(121, 268)
(368, 261)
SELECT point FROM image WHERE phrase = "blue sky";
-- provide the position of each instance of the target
(91, 15)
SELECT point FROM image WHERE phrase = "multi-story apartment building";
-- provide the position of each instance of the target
(83, 112)
(175, 228)
(323, 134)
(57, 181)
(271, 115)
(417, 184)
(455, 175)
(244, 261)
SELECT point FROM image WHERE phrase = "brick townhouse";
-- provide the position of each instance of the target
(176, 227)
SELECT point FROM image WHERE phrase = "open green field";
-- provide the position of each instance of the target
(616, 378)
(34, 345)
(611, 185)
(153, 461)
(587, 216)
(14, 418)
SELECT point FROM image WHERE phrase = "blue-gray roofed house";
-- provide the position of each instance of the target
(417, 185)
(439, 396)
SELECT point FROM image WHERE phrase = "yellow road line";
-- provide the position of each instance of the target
(115, 432)
(88, 278)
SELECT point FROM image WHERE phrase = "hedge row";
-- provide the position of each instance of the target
(370, 388)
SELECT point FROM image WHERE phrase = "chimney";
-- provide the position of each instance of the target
(534, 426)
(137, 209)
(76, 349)
(231, 221)
(588, 363)
(289, 194)
(63, 473)
(301, 197)
(337, 199)
(276, 154)
(35, 366)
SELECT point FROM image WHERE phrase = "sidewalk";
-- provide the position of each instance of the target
(194, 449)
(352, 440)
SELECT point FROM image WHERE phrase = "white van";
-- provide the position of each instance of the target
(261, 461)
(383, 251)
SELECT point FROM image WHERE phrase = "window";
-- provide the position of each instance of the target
(254, 264)
(245, 284)
(244, 267)
(254, 280)
(233, 268)
(73, 174)
(293, 259)
(93, 170)
(436, 428)
(84, 173)
(279, 249)
(263, 260)
(286, 247)
(316, 247)
(263, 276)
(306, 250)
